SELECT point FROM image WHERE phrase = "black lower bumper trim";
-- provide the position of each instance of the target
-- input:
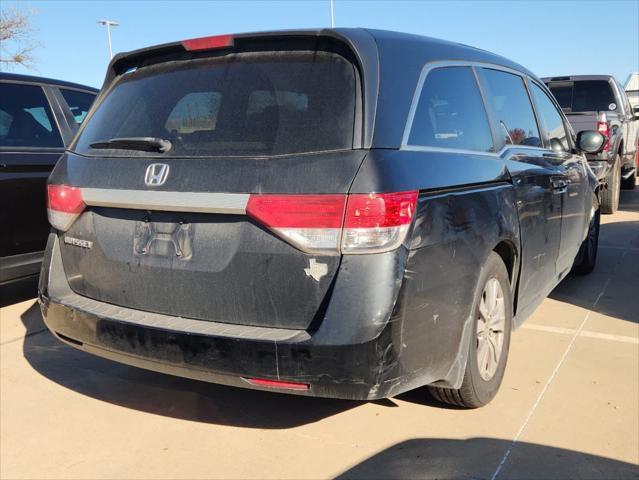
(355, 372)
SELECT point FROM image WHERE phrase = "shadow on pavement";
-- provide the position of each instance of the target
(426, 458)
(160, 394)
(616, 271)
(629, 200)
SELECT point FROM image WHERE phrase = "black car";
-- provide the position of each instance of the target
(340, 213)
(38, 118)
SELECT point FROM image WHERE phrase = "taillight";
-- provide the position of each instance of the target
(377, 222)
(358, 223)
(64, 205)
(310, 222)
(208, 43)
(603, 127)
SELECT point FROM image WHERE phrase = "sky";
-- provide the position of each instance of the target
(548, 37)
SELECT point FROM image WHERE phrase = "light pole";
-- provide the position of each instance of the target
(332, 17)
(109, 24)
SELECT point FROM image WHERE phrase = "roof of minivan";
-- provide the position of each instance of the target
(437, 49)
(392, 61)
(16, 77)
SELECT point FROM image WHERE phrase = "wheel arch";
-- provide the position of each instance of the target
(509, 253)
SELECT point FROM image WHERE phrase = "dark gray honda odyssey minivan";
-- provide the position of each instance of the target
(340, 213)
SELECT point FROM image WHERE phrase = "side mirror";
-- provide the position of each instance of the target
(590, 141)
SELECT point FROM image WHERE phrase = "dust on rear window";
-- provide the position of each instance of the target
(583, 95)
(246, 104)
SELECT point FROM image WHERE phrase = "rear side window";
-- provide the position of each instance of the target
(511, 107)
(551, 119)
(79, 103)
(584, 95)
(450, 112)
(245, 104)
(25, 117)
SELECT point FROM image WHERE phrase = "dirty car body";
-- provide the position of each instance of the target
(188, 268)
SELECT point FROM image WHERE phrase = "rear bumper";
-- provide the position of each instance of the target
(346, 371)
(334, 366)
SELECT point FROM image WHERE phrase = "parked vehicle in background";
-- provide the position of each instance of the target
(599, 102)
(338, 213)
(632, 89)
(38, 118)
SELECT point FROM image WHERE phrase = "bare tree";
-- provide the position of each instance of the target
(16, 38)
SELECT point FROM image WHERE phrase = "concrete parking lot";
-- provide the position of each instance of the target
(568, 408)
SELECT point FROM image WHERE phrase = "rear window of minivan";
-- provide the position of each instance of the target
(244, 104)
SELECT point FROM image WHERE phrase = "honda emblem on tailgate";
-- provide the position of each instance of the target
(156, 174)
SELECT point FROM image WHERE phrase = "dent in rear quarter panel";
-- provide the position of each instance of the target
(456, 227)
(454, 234)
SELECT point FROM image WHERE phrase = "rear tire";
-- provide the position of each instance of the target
(610, 194)
(489, 340)
(587, 255)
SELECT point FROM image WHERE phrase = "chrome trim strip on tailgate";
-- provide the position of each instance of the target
(199, 202)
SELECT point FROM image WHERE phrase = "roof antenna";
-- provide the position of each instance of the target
(332, 17)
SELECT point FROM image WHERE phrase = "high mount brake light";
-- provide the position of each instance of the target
(208, 43)
(357, 223)
(603, 127)
(64, 205)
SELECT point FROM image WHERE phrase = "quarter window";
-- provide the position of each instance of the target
(551, 119)
(25, 117)
(511, 108)
(450, 112)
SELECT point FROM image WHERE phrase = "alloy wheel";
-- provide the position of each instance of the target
(491, 323)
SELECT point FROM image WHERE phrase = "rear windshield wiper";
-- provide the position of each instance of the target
(146, 144)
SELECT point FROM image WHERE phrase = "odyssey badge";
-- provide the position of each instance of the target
(78, 242)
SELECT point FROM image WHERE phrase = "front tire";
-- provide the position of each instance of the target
(587, 255)
(489, 342)
(610, 195)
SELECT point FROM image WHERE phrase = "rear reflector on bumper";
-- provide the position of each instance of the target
(64, 205)
(262, 382)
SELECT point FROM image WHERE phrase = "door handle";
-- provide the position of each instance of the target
(559, 185)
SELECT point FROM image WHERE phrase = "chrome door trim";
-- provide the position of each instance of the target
(429, 67)
(197, 202)
(500, 153)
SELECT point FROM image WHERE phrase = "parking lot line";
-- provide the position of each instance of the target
(552, 376)
(584, 333)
